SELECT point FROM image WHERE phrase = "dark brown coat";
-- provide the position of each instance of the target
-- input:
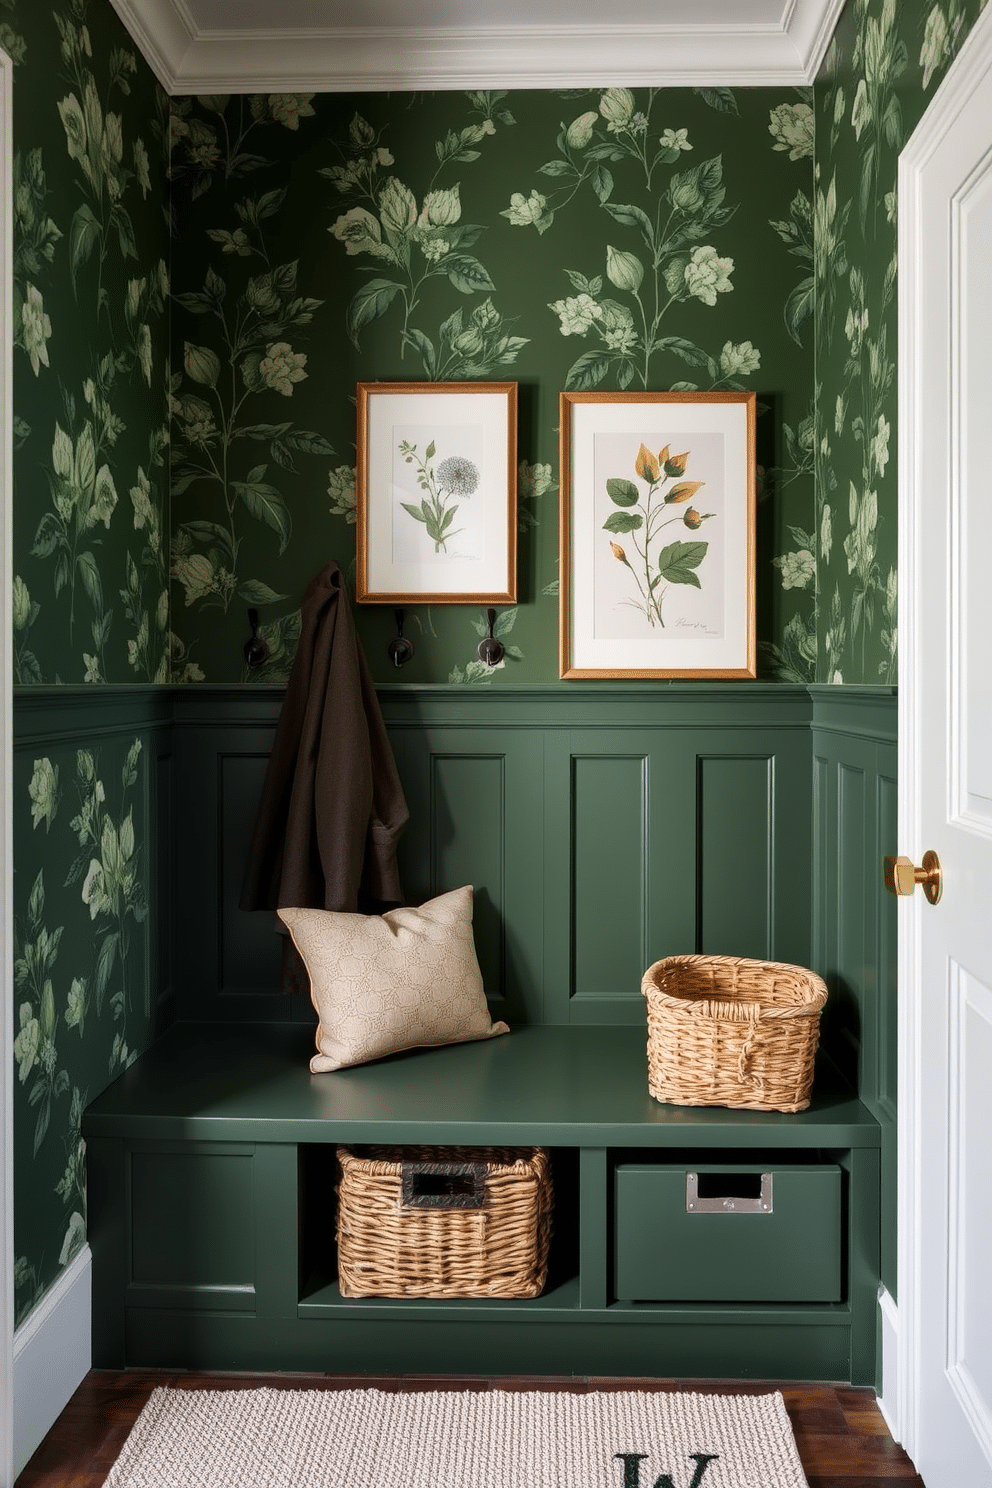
(332, 807)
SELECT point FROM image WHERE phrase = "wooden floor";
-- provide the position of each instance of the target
(843, 1441)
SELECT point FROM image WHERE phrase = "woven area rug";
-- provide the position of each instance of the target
(267, 1438)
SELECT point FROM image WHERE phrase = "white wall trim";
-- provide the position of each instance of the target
(6, 752)
(52, 1355)
(965, 74)
(889, 1397)
(681, 52)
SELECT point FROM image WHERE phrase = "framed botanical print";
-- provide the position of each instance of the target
(657, 535)
(436, 493)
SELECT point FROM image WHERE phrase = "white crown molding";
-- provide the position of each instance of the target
(187, 59)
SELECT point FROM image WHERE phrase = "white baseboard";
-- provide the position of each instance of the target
(889, 1396)
(52, 1354)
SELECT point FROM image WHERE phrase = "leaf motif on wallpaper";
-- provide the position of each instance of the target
(200, 150)
(84, 497)
(34, 238)
(251, 361)
(419, 244)
(36, 951)
(876, 112)
(797, 235)
(27, 668)
(458, 146)
(112, 888)
(669, 272)
(618, 131)
(95, 141)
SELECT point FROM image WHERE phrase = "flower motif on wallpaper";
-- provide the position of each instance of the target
(35, 237)
(112, 889)
(25, 612)
(876, 112)
(36, 950)
(341, 489)
(414, 245)
(791, 127)
(615, 133)
(671, 268)
(798, 568)
(641, 515)
(199, 150)
(218, 404)
(84, 497)
(95, 142)
(533, 482)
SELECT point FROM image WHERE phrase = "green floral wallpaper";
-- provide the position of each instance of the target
(882, 68)
(90, 316)
(90, 600)
(80, 949)
(611, 238)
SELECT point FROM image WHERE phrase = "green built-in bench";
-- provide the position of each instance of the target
(211, 1165)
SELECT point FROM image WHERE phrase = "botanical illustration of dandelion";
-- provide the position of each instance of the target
(454, 476)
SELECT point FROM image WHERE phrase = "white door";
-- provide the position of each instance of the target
(945, 763)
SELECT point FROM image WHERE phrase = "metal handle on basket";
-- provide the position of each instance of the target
(443, 1185)
(728, 1203)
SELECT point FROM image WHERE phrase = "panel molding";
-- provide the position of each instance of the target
(854, 732)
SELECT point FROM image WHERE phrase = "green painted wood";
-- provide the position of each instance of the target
(741, 1346)
(854, 921)
(474, 797)
(665, 1252)
(736, 816)
(863, 1254)
(609, 862)
(191, 1215)
(593, 1230)
(577, 1086)
(573, 812)
(107, 1236)
(275, 1235)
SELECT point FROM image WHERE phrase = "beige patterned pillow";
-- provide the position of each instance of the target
(402, 980)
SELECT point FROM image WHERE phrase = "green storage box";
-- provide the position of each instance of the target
(727, 1234)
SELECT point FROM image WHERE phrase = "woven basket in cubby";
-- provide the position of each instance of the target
(728, 1031)
(443, 1221)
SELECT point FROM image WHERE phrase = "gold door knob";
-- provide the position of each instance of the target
(901, 877)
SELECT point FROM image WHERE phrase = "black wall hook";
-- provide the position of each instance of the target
(400, 649)
(255, 650)
(491, 651)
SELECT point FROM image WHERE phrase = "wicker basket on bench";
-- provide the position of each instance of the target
(727, 1031)
(443, 1221)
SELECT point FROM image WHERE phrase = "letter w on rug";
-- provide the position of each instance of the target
(632, 1469)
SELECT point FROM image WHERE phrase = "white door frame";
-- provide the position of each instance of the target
(972, 62)
(6, 754)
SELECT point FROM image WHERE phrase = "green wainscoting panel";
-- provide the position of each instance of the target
(191, 1211)
(854, 919)
(611, 862)
(474, 796)
(736, 814)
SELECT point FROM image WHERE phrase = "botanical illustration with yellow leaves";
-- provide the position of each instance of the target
(642, 514)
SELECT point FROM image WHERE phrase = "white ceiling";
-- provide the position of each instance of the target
(329, 46)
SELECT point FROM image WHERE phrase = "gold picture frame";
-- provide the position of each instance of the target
(436, 493)
(657, 537)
